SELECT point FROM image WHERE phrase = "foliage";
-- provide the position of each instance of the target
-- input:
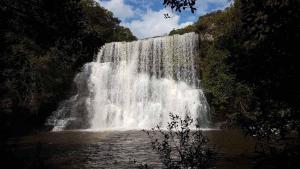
(250, 74)
(187, 29)
(44, 43)
(179, 147)
(268, 64)
(249, 71)
(179, 5)
(250, 63)
(221, 88)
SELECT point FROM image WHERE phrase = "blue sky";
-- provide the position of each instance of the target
(145, 18)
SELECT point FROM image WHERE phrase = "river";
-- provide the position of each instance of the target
(119, 149)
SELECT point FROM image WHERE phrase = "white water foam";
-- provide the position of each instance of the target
(135, 85)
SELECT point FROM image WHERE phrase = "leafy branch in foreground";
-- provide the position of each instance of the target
(179, 147)
(178, 5)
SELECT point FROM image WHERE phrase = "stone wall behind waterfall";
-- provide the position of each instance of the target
(135, 85)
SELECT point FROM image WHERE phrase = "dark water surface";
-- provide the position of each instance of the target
(118, 149)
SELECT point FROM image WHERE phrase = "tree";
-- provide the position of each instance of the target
(44, 43)
(180, 147)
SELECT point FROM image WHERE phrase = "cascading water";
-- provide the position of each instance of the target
(135, 85)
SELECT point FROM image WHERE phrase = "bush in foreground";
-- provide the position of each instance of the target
(180, 147)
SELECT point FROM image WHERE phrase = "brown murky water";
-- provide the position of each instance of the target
(116, 149)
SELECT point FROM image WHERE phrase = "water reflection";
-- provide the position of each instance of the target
(113, 149)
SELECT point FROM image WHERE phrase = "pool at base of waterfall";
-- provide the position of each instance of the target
(119, 149)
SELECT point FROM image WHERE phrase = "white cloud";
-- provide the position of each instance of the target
(153, 23)
(145, 22)
(119, 8)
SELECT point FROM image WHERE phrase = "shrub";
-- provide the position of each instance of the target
(179, 146)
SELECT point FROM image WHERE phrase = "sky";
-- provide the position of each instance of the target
(145, 18)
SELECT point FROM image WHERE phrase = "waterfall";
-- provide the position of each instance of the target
(135, 85)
